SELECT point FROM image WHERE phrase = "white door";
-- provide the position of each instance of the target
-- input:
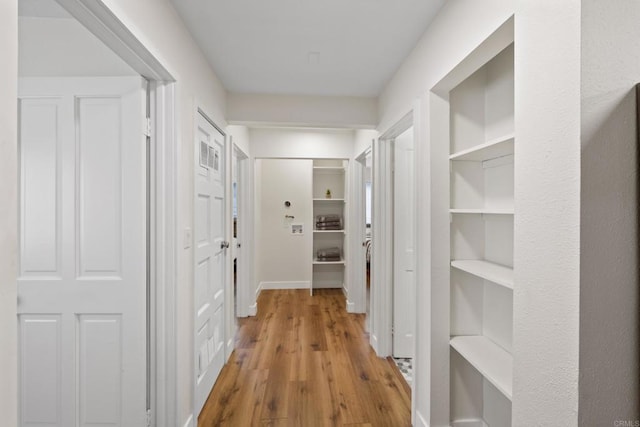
(210, 258)
(404, 243)
(82, 284)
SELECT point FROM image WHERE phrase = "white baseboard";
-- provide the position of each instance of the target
(253, 309)
(469, 423)
(420, 421)
(229, 349)
(326, 285)
(189, 422)
(373, 340)
(284, 285)
(351, 307)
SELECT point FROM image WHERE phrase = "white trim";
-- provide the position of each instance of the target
(163, 327)
(253, 309)
(418, 127)
(469, 423)
(189, 422)
(245, 219)
(104, 24)
(349, 304)
(382, 249)
(284, 285)
(358, 262)
(420, 421)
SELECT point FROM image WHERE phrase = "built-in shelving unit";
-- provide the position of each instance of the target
(495, 273)
(481, 157)
(492, 361)
(329, 174)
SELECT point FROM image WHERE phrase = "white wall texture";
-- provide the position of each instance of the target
(156, 24)
(55, 47)
(302, 110)
(8, 212)
(240, 137)
(458, 28)
(440, 49)
(301, 143)
(547, 221)
(363, 140)
(609, 292)
(285, 257)
(293, 143)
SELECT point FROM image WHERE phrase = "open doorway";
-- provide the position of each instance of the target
(404, 282)
(84, 180)
(84, 283)
(393, 284)
(364, 180)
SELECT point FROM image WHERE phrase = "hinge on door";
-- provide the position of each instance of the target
(148, 417)
(147, 127)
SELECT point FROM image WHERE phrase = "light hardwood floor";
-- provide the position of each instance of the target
(304, 361)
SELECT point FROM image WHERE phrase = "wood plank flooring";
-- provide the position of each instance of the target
(304, 361)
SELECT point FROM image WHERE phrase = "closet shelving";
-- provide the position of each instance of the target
(329, 174)
(481, 158)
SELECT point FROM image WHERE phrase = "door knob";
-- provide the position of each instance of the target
(224, 244)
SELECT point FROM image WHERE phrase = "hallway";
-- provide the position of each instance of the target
(303, 361)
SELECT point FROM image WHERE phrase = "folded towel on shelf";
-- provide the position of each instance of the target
(328, 226)
(328, 222)
(328, 217)
(329, 254)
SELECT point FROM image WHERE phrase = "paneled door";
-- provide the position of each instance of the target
(404, 276)
(210, 253)
(82, 285)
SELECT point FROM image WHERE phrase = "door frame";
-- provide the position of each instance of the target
(358, 272)
(382, 230)
(96, 16)
(245, 219)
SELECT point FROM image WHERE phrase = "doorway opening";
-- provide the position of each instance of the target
(393, 284)
(66, 48)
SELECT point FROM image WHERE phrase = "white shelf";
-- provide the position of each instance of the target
(487, 211)
(333, 169)
(495, 273)
(329, 231)
(316, 262)
(495, 148)
(492, 361)
(320, 199)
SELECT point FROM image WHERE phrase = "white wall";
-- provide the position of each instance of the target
(240, 136)
(299, 110)
(301, 143)
(363, 140)
(8, 212)
(547, 221)
(460, 26)
(285, 259)
(609, 292)
(63, 47)
(156, 24)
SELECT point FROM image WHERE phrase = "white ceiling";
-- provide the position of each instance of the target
(307, 47)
